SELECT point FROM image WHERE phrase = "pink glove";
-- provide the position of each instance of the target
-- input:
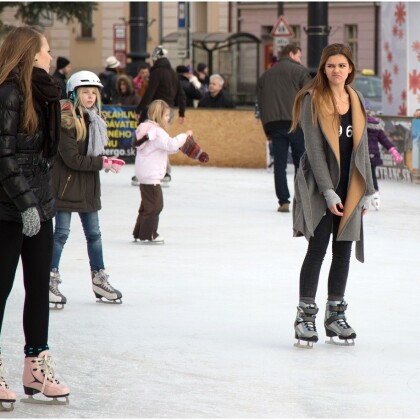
(117, 164)
(397, 157)
(107, 163)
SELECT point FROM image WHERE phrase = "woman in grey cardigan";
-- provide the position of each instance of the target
(331, 189)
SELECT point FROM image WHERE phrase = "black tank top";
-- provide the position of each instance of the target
(346, 150)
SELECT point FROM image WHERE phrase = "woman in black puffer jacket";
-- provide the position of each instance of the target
(29, 135)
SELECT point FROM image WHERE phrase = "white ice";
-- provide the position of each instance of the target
(206, 325)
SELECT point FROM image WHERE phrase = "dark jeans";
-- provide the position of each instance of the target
(311, 267)
(36, 254)
(150, 208)
(281, 140)
(374, 179)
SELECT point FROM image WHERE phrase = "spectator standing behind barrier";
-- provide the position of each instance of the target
(109, 80)
(141, 81)
(276, 92)
(125, 92)
(202, 74)
(29, 137)
(332, 190)
(61, 73)
(216, 97)
(190, 84)
(376, 135)
(76, 181)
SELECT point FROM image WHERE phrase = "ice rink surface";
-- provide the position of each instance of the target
(206, 325)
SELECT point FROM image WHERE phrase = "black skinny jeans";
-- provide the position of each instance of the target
(36, 254)
(311, 267)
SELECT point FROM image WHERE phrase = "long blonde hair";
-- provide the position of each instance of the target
(320, 87)
(72, 113)
(156, 112)
(18, 52)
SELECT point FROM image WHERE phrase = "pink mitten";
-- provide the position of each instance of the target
(117, 164)
(107, 164)
(396, 156)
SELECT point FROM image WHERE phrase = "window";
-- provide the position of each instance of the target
(350, 38)
(86, 29)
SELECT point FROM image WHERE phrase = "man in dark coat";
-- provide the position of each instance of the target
(216, 97)
(62, 72)
(190, 84)
(276, 92)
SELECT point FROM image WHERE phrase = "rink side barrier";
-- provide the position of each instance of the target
(233, 138)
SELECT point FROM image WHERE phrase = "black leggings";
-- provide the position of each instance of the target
(36, 254)
(311, 267)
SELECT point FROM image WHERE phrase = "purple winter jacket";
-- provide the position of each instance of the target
(376, 135)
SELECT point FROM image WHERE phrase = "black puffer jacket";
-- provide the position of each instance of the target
(24, 173)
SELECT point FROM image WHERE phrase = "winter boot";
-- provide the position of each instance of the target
(7, 396)
(305, 325)
(103, 289)
(57, 299)
(336, 325)
(376, 200)
(39, 377)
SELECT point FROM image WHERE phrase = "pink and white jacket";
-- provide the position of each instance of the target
(152, 156)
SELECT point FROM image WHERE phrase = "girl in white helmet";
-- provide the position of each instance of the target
(76, 181)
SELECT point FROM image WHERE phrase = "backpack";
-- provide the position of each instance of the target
(106, 92)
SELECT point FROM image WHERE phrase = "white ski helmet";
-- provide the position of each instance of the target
(82, 78)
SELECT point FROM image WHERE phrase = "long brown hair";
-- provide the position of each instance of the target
(319, 86)
(18, 51)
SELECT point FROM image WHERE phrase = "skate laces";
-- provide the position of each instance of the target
(46, 365)
(102, 278)
(2, 372)
(55, 280)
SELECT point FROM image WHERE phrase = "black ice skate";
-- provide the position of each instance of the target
(57, 299)
(103, 289)
(305, 329)
(336, 324)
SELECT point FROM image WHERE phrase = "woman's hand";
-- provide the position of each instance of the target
(335, 209)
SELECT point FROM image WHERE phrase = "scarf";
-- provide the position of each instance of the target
(46, 92)
(98, 137)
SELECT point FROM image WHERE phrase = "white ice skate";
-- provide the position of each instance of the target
(57, 299)
(376, 200)
(336, 324)
(305, 329)
(7, 396)
(158, 240)
(103, 289)
(39, 377)
(164, 182)
(134, 181)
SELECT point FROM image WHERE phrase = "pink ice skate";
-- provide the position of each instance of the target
(38, 377)
(7, 396)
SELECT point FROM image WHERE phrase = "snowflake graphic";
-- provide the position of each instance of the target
(416, 46)
(386, 81)
(386, 46)
(404, 95)
(400, 34)
(396, 69)
(390, 98)
(402, 109)
(395, 30)
(389, 57)
(414, 81)
(400, 13)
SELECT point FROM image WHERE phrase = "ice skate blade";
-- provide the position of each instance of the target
(112, 302)
(8, 407)
(308, 346)
(56, 306)
(345, 343)
(53, 401)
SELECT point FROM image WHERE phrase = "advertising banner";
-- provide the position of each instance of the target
(121, 125)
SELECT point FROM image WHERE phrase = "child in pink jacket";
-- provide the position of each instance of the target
(153, 145)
